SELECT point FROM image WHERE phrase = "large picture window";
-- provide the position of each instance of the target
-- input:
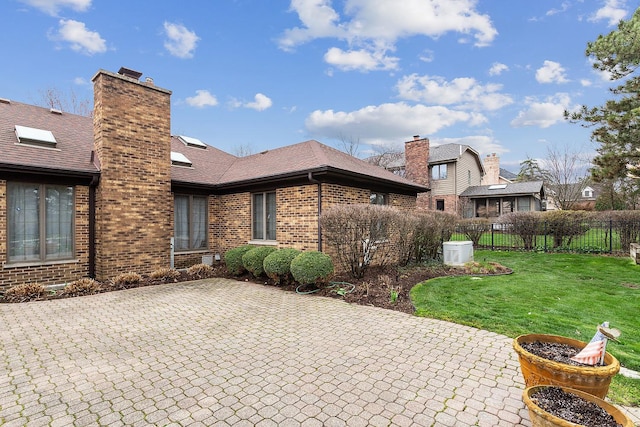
(190, 222)
(264, 216)
(40, 222)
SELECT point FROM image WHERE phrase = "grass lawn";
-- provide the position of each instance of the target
(560, 294)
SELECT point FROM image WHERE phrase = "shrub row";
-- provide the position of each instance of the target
(362, 234)
(280, 265)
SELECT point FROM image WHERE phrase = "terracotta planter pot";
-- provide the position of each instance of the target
(537, 370)
(541, 418)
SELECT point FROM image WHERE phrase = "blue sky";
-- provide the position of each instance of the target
(251, 75)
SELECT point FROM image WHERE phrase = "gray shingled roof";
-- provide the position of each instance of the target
(513, 189)
(447, 152)
(507, 175)
(210, 166)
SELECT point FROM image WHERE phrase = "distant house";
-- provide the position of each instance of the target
(576, 196)
(98, 197)
(460, 181)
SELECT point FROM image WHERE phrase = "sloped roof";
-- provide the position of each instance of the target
(507, 174)
(448, 152)
(210, 167)
(512, 189)
(73, 133)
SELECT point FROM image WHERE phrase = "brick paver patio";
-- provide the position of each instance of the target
(221, 352)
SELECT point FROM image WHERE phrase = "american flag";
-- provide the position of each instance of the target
(593, 353)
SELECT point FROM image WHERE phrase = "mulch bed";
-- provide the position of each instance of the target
(380, 287)
(573, 408)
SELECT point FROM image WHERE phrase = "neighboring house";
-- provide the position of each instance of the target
(98, 197)
(578, 196)
(494, 200)
(460, 181)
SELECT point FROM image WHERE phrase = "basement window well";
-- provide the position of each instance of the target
(33, 136)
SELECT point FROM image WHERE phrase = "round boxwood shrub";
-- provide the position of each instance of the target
(277, 265)
(252, 260)
(312, 268)
(233, 259)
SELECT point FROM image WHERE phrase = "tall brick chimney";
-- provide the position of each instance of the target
(416, 154)
(491, 170)
(132, 132)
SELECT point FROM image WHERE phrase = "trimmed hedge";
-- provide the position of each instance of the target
(277, 265)
(252, 259)
(312, 268)
(233, 259)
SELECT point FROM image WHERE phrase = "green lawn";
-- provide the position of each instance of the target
(561, 294)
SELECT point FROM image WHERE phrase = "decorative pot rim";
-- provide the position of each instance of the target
(618, 415)
(610, 368)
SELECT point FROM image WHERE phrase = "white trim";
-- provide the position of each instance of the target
(264, 242)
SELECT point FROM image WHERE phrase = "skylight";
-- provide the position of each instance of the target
(27, 135)
(192, 142)
(179, 159)
(498, 187)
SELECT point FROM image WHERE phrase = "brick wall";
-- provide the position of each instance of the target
(134, 204)
(231, 221)
(491, 169)
(50, 273)
(297, 217)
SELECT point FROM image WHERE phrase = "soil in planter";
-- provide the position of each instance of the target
(572, 408)
(556, 352)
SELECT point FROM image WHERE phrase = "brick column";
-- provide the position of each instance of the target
(416, 154)
(132, 131)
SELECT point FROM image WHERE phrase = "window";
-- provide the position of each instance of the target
(587, 193)
(468, 177)
(40, 222)
(524, 204)
(264, 216)
(378, 199)
(439, 171)
(439, 205)
(190, 222)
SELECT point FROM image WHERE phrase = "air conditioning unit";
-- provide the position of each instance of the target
(457, 254)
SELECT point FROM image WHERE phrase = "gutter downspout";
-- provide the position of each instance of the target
(315, 181)
(92, 226)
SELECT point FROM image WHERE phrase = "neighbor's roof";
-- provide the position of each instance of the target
(73, 134)
(448, 152)
(512, 189)
(507, 175)
(209, 166)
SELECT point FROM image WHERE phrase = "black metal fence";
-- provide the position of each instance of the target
(592, 236)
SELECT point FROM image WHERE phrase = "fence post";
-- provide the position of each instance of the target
(492, 244)
(544, 230)
(610, 235)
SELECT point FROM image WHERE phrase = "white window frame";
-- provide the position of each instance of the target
(269, 224)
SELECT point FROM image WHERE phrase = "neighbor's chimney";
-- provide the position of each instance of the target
(416, 155)
(491, 170)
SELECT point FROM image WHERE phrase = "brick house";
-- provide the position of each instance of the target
(97, 197)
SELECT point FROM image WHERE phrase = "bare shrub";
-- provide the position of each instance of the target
(405, 226)
(565, 225)
(359, 233)
(626, 224)
(84, 286)
(200, 271)
(474, 228)
(524, 224)
(433, 228)
(24, 292)
(126, 280)
(165, 273)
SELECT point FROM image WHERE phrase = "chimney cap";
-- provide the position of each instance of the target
(416, 137)
(129, 73)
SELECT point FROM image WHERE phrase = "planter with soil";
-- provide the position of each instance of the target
(561, 371)
(560, 406)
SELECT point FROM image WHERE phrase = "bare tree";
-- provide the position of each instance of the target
(68, 102)
(567, 176)
(242, 150)
(388, 157)
(350, 145)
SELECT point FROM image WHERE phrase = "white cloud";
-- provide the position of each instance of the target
(497, 68)
(543, 113)
(360, 60)
(551, 72)
(80, 81)
(563, 8)
(376, 25)
(612, 11)
(463, 92)
(53, 6)
(261, 102)
(387, 123)
(585, 82)
(181, 42)
(81, 39)
(203, 98)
